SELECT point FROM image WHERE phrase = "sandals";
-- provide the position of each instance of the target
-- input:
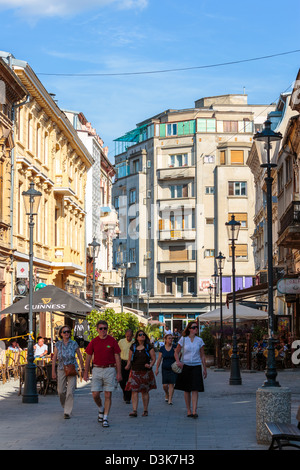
(105, 423)
(145, 413)
(100, 416)
(133, 414)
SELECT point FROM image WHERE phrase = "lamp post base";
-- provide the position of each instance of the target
(235, 376)
(30, 394)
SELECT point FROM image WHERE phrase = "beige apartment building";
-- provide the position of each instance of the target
(49, 152)
(180, 176)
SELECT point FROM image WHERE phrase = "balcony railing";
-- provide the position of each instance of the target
(291, 217)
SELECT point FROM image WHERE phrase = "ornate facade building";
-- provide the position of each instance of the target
(49, 152)
(11, 92)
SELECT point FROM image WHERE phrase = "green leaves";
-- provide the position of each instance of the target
(118, 323)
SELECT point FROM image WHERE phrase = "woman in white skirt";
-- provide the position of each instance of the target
(192, 363)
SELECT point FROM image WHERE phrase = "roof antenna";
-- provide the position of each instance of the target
(244, 91)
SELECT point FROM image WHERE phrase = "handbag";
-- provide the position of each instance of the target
(175, 368)
(70, 370)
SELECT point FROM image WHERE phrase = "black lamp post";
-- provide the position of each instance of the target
(32, 199)
(220, 261)
(94, 249)
(233, 228)
(123, 274)
(210, 289)
(215, 277)
(267, 136)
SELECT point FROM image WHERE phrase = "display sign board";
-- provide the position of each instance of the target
(289, 286)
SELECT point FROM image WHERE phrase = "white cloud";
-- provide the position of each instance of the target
(53, 8)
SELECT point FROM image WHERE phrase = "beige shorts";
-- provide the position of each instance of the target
(104, 379)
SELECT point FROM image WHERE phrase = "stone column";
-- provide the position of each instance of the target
(273, 404)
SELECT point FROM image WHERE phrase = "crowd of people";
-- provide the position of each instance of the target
(130, 362)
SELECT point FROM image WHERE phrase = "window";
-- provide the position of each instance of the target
(206, 125)
(179, 286)
(237, 188)
(222, 157)
(209, 253)
(178, 253)
(171, 129)
(280, 179)
(116, 203)
(136, 166)
(288, 169)
(241, 251)
(132, 196)
(209, 159)
(241, 217)
(230, 126)
(178, 160)
(209, 189)
(209, 220)
(237, 157)
(168, 285)
(179, 190)
(132, 255)
(191, 285)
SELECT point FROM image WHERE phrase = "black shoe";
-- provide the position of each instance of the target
(67, 416)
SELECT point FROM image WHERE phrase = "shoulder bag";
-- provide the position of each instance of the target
(175, 368)
(70, 370)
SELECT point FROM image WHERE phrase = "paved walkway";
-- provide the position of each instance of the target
(227, 419)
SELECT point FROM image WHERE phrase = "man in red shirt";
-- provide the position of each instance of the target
(106, 369)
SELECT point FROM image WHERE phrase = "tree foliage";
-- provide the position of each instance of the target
(118, 323)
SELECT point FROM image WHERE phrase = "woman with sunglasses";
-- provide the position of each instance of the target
(192, 362)
(64, 352)
(141, 378)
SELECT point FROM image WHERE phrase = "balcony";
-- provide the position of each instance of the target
(178, 267)
(289, 231)
(186, 234)
(176, 173)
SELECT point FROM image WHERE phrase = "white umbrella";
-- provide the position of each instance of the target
(242, 313)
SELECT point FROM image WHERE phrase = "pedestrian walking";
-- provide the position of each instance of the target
(124, 345)
(191, 378)
(66, 375)
(141, 377)
(106, 369)
(166, 356)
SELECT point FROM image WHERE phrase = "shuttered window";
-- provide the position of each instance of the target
(178, 253)
(241, 217)
(222, 158)
(237, 157)
(241, 251)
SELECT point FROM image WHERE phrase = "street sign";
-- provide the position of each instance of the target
(289, 286)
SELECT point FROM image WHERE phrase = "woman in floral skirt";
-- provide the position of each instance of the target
(141, 378)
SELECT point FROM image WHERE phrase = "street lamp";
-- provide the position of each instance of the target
(215, 277)
(233, 228)
(32, 199)
(123, 274)
(210, 289)
(267, 136)
(220, 263)
(138, 286)
(94, 249)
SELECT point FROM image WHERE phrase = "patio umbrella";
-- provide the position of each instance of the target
(242, 313)
(50, 299)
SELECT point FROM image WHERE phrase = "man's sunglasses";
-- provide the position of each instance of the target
(102, 328)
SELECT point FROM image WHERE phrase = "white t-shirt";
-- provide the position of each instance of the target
(191, 350)
(40, 350)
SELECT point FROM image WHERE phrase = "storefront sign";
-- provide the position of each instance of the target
(22, 270)
(289, 286)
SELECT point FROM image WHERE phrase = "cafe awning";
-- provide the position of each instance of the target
(242, 313)
(253, 291)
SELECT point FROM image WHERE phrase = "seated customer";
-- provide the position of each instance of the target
(40, 349)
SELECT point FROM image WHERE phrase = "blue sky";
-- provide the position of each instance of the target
(121, 36)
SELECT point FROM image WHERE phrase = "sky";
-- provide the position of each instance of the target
(125, 38)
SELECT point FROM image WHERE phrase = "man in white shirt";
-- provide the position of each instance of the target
(40, 349)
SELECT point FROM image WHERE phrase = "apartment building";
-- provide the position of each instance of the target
(49, 152)
(101, 217)
(180, 176)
